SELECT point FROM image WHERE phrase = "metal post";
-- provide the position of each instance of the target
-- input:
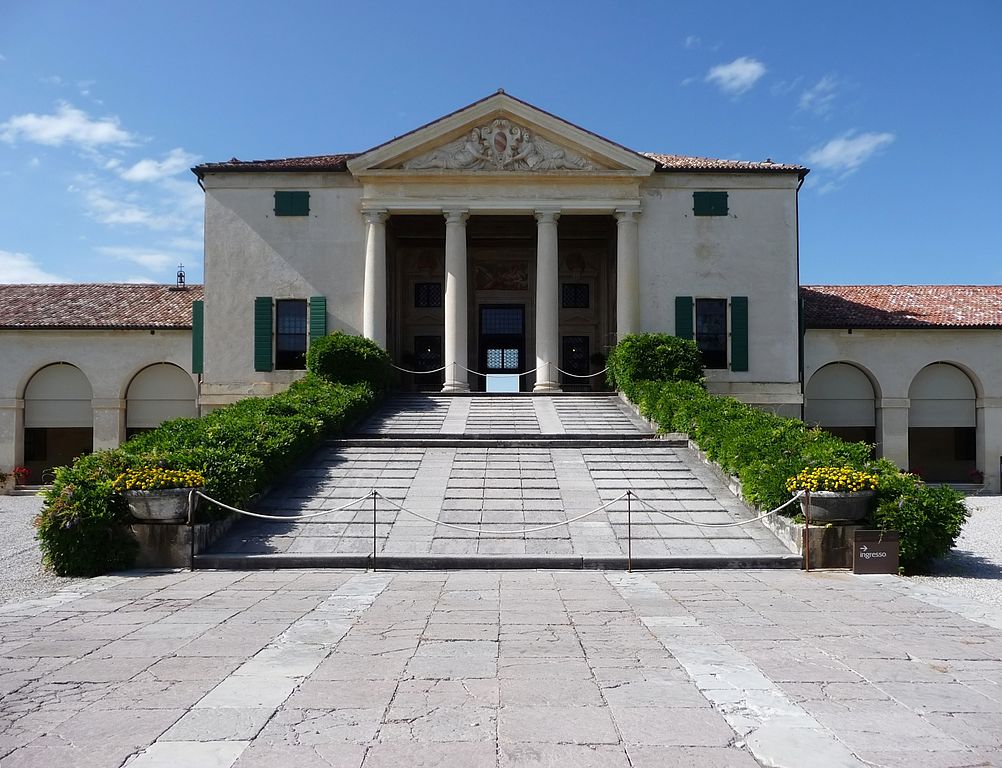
(191, 529)
(629, 532)
(373, 529)
(807, 531)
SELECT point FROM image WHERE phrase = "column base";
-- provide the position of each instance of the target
(456, 386)
(546, 386)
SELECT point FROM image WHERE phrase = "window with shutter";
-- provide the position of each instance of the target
(290, 334)
(709, 203)
(292, 203)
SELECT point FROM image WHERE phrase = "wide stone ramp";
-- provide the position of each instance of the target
(475, 481)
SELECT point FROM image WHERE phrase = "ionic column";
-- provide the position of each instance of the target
(455, 302)
(374, 291)
(547, 308)
(627, 273)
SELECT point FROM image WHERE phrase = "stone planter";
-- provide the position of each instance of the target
(837, 506)
(7, 485)
(167, 505)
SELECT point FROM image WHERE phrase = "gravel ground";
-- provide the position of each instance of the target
(21, 574)
(973, 568)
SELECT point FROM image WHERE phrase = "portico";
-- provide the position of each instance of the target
(485, 173)
(527, 292)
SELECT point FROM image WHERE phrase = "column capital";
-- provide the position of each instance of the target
(627, 214)
(375, 215)
(456, 215)
(546, 215)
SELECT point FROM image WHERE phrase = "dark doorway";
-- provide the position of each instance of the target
(502, 339)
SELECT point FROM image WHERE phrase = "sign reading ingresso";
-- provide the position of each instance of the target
(875, 552)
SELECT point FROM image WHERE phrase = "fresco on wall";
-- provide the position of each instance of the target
(502, 276)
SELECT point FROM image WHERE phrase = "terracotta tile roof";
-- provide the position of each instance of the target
(686, 163)
(96, 305)
(902, 306)
(317, 163)
(339, 163)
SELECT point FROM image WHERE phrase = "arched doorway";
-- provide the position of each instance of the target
(840, 399)
(942, 425)
(58, 420)
(156, 394)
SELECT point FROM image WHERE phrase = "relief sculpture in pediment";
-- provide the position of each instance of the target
(501, 146)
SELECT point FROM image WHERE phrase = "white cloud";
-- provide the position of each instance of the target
(177, 160)
(21, 268)
(68, 125)
(141, 280)
(820, 96)
(692, 41)
(846, 153)
(155, 261)
(738, 76)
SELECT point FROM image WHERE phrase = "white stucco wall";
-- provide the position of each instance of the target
(250, 252)
(752, 251)
(892, 359)
(109, 359)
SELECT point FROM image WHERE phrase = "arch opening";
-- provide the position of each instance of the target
(942, 425)
(156, 394)
(840, 400)
(58, 419)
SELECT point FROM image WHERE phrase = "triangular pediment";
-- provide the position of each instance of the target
(500, 134)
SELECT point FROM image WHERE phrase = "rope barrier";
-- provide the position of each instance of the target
(582, 375)
(721, 525)
(343, 507)
(513, 373)
(407, 370)
(485, 532)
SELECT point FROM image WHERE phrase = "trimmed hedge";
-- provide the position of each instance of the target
(653, 357)
(347, 359)
(240, 449)
(763, 450)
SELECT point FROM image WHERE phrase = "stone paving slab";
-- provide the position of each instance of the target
(338, 668)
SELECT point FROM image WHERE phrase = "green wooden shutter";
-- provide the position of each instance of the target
(197, 336)
(318, 317)
(683, 317)
(739, 333)
(263, 360)
(292, 203)
(709, 203)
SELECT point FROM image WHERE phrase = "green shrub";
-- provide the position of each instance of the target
(762, 449)
(239, 450)
(654, 357)
(928, 518)
(765, 450)
(82, 529)
(350, 360)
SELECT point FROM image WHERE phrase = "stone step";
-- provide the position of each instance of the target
(510, 441)
(426, 562)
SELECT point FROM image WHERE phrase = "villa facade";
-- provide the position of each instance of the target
(502, 243)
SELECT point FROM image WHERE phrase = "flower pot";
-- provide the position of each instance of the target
(837, 506)
(166, 505)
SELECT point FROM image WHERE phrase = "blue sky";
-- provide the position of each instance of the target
(894, 105)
